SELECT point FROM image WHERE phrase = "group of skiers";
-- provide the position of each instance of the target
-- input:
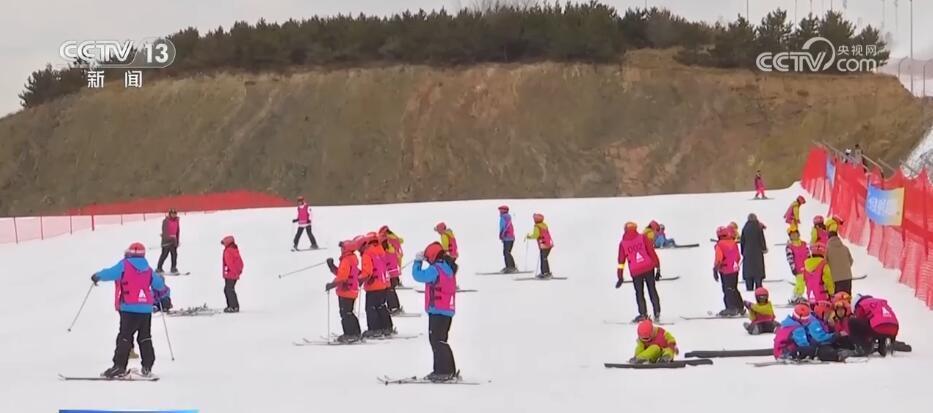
(825, 266)
(540, 233)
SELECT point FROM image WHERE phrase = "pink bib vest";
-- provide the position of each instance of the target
(352, 285)
(660, 339)
(441, 294)
(637, 255)
(509, 232)
(801, 253)
(172, 228)
(544, 239)
(452, 251)
(730, 259)
(789, 215)
(135, 285)
(877, 311)
(304, 214)
(816, 291)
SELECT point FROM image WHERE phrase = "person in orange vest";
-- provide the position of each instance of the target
(726, 267)
(644, 267)
(542, 234)
(448, 240)
(346, 281)
(376, 284)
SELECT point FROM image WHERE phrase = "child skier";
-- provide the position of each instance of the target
(792, 216)
(232, 268)
(346, 280)
(507, 236)
(136, 282)
(726, 266)
(440, 298)
(819, 233)
(760, 314)
(392, 244)
(376, 284)
(661, 240)
(734, 230)
(817, 275)
(162, 301)
(802, 337)
(797, 253)
(542, 234)
(171, 236)
(651, 230)
(448, 240)
(759, 186)
(304, 224)
(654, 344)
(645, 269)
(874, 324)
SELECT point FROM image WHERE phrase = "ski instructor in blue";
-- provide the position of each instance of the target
(136, 287)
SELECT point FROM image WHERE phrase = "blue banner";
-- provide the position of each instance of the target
(885, 207)
(830, 171)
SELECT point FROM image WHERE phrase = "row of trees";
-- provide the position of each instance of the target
(589, 32)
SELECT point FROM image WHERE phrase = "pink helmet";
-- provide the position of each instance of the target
(817, 220)
(818, 248)
(722, 232)
(440, 227)
(136, 249)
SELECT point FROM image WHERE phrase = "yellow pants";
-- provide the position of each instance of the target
(654, 352)
(799, 286)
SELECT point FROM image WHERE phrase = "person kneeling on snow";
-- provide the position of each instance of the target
(874, 325)
(761, 314)
(803, 337)
(163, 300)
(654, 344)
(661, 240)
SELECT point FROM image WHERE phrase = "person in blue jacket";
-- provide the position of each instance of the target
(136, 286)
(507, 236)
(801, 336)
(440, 293)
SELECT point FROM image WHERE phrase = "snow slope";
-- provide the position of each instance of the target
(541, 343)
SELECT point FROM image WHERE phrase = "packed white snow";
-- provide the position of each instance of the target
(542, 344)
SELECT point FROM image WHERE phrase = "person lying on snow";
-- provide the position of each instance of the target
(654, 344)
(802, 337)
(760, 314)
(661, 240)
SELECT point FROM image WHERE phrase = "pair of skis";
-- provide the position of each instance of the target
(386, 380)
(676, 364)
(535, 278)
(850, 360)
(332, 341)
(676, 277)
(714, 316)
(132, 375)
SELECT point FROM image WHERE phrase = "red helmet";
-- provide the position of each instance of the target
(503, 208)
(227, 240)
(822, 309)
(371, 237)
(842, 296)
(654, 225)
(631, 226)
(801, 311)
(761, 292)
(358, 242)
(300, 198)
(817, 220)
(722, 232)
(136, 249)
(646, 330)
(440, 227)
(538, 218)
(347, 246)
(432, 251)
(818, 248)
(801, 200)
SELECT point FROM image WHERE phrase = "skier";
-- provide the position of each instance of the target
(376, 284)
(726, 270)
(839, 259)
(661, 240)
(507, 236)
(819, 231)
(817, 275)
(759, 186)
(171, 236)
(232, 268)
(346, 280)
(645, 269)
(801, 337)
(760, 314)
(162, 301)
(654, 344)
(651, 230)
(136, 282)
(392, 244)
(797, 253)
(874, 325)
(304, 224)
(448, 240)
(542, 234)
(753, 246)
(440, 297)
(838, 321)
(792, 216)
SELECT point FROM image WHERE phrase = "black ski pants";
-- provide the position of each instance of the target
(545, 266)
(348, 320)
(438, 330)
(640, 281)
(377, 312)
(731, 297)
(392, 296)
(507, 253)
(139, 324)
(168, 249)
(310, 236)
(230, 293)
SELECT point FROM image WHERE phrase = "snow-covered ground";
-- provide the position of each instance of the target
(543, 344)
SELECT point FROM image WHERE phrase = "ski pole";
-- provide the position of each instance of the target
(526, 254)
(81, 308)
(301, 269)
(167, 339)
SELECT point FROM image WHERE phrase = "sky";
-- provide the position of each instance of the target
(31, 32)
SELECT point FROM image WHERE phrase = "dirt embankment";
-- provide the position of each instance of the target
(390, 134)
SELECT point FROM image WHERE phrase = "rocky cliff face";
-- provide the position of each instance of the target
(387, 134)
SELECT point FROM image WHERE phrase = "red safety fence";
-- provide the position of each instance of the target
(20, 229)
(905, 248)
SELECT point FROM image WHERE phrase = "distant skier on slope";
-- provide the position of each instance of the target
(797, 253)
(753, 246)
(232, 269)
(726, 269)
(651, 231)
(654, 344)
(817, 275)
(760, 314)
(644, 267)
(819, 233)
(759, 186)
(448, 240)
(304, 224)
(392, 244)
(542, 235)
(171, 236)
(346, 280)
(136, 281)
(803, 337)
(792, 215)
(376, 283)
(440, 297)
(507, 236)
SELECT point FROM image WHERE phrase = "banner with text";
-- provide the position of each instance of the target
(885, 206)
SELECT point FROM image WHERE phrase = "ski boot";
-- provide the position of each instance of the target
(372, 334)
(159, 271)
(636, 360)
(442, 377)
(389, 332)
(726, 313)
(115, 372)
(742, 311)
(639, 318)
(145, 371)
(509, 270)
(666, 358)
(544, 276)
(175, 271)
(314, 247)
(348, 339)
(232, 310)
(657, 316)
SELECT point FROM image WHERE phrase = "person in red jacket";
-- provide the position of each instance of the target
(375, 281)
(171, 236)
(232, 268)
(346, 280)
(644, 266)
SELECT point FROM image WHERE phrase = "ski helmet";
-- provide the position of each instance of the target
(818, 248)
(172, 212)
(654, 225)
(440, 227)
(822, 309)
(761, 292)
(801, 200)
(346, 246)
(842, 296)
(792, 230)
(722, 232)
(136, 249)
(631, 226)
(433, 251)
(646, 330)
(300, 198)
(503, 208)
(227, 240)
(818, 220)
(538, 218)
(802, 311)
(371, 238)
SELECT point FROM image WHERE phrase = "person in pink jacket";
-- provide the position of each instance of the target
(232, 268)
(759, 186)
(304, 224)
(873, 325)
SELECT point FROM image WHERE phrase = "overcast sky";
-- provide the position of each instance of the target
(32, 31)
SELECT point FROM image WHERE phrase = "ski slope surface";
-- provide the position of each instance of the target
(536, 346)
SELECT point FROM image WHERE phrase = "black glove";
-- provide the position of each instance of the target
(330, 264)
(95, 278)
(295, 220)
(715, 275)
(329, 286)
(657, 274)
(619, 283)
